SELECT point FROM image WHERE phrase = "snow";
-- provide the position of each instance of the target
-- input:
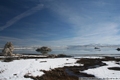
(93, 57)
(104, 72)
(16, 69)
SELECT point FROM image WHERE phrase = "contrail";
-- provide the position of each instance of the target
(25, 14)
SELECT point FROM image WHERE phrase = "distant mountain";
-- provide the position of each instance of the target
(91, 45)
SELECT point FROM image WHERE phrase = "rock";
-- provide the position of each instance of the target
(118, 49)
(114, 68)
(109, 58)
(8, 49)
(52, 56)
(44, 50)
(8, 59)
(55, 74)
(91, 62)
(63, 55)
(96, 48)
(118, 63)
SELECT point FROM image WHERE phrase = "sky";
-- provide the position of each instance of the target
(59, 22)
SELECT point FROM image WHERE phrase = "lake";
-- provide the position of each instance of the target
(76, 51)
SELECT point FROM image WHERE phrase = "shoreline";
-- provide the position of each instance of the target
(40, 56)
(69, 54)
(70, 72)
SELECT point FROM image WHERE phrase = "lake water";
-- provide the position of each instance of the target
(75, 52)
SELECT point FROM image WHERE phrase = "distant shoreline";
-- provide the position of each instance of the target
(114, 55)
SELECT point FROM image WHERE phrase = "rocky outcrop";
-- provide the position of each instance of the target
(8, 49)
(91, 62)
(96, 48)
(44, 50)
(118, 49)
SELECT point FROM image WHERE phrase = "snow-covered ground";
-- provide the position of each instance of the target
(93, 57)
(104, 72)
(16, 69)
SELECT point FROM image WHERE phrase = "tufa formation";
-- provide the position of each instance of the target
(8, 49)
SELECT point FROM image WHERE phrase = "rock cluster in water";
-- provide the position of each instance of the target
(118, 49)
(8, 49)
(44, 50)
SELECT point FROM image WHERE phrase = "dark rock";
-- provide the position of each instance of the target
(15, 74)
(44, 50)
(70, 72)
(55, 74)
(114, 68)
(96, 48)
(91, 62)
(8, 59)
(107, 58)
(42, 61)
(118, 49)
(118, 63)
(52, 56)
(63, 55)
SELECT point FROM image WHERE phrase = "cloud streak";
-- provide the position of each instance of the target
(89, 27)
(19, 17)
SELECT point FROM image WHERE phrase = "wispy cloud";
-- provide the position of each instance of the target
(88, 27)
(24, 14)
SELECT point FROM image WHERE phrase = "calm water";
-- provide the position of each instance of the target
(76, 52)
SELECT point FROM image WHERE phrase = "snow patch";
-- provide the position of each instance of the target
(16, 69)
(104, 72)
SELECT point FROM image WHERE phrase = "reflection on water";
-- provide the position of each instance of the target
(74, 52)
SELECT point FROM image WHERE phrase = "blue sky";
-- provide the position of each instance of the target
(59, 22)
